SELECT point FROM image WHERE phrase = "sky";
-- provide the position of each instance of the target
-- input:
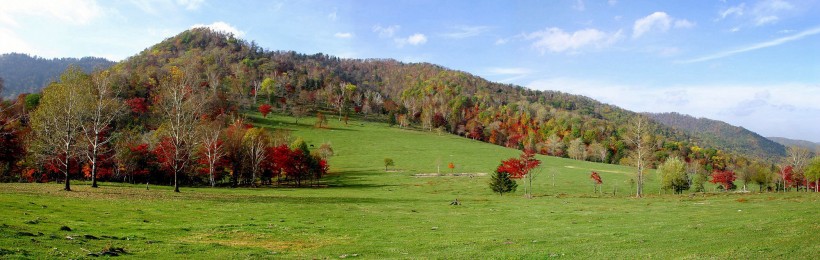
(754, 64)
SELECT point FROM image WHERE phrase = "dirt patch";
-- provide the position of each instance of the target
(573, 167)
(474, 174)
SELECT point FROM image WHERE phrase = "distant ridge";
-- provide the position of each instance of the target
(799, 143)
(23, 73)
(722, 135)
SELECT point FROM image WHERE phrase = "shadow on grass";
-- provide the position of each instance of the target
(292, 126)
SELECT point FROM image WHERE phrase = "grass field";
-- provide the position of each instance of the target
(365, 212)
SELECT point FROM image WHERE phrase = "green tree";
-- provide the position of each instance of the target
(387, 163)
(673, 175)
(813, 172)
(502, 183)
(101, 110)
(56, 123)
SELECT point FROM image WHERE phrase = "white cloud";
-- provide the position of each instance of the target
(655, 21)
(415, 39)
(222, 27)
(501, 41)
(191, 4)
(658, 21)
(386, 32)
(462, 32)
(761, 45)
(556, 40)
(766, 20)
(78, 12)
(684, 24)
(342, 35)
(612, 2)
(733, 11)
(769, 109)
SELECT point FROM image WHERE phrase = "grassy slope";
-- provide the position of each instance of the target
(374, 214)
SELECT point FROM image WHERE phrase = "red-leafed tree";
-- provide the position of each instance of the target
(724, 178)
(596, 181)
(787, 177)
(265, 109)
(137, 105)
(520, 167)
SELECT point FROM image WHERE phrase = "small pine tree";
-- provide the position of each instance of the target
(501, 183)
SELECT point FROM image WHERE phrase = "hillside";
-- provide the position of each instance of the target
(418, 95)
(23, 73)
(722, 135)
(812, 146)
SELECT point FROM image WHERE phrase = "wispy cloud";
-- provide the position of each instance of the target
(191, 4)
(386, 32)
(579, 5)
(78, 12)
(757, 46)
(511, 74)
(345, 35)
(333, 16)
(557, 40)
(658, 21)
(461, 32)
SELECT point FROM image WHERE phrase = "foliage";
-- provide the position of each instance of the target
(596, 178)
(502, 183)
(388, 162)
(673, 175)
(724, 178)
(265, 109)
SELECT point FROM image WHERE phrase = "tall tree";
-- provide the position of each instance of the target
(213, 149)
(638, 136)
(103, 109)
(254, 142)
(180, 108)
(673, 175)
(813, 173)
(57, 121)
(798, 158)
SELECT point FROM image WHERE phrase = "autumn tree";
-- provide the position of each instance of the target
(521, 167)
(100, 112)
(265, 110)
(596, 182)
(724, 178)
(502, 183)
(576, 149)
(638, 136)
(597, 151)
(673, 175)
(56, 124)
(180, 107)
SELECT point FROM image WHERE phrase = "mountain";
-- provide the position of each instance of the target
(812, 146)
(722, 135)
(23, 73)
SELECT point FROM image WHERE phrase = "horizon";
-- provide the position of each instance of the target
(709, 60)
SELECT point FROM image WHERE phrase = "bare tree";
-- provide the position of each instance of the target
(180, 107)
(798, 158)
(639, 137)
(57, 121)
(212, 149)
(99, 113)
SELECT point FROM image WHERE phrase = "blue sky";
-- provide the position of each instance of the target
(749, 63)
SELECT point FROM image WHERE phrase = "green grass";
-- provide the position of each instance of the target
(367, 212)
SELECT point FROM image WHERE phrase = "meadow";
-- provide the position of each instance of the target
(363, 211)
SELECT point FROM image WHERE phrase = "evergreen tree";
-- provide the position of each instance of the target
(501, 183)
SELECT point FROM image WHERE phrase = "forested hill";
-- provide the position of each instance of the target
(722, 135)
(812, 146)
(23, 73)
(416, 95)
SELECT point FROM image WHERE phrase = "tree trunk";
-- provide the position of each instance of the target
(67, 180)
(176, 183)
(94, 174)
